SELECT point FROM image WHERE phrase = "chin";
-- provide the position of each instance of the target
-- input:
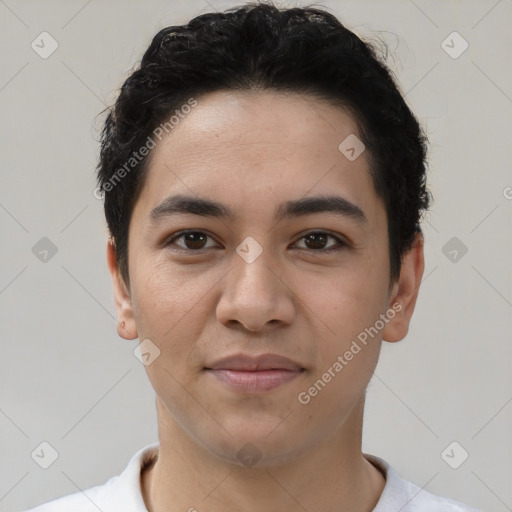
(256, 447)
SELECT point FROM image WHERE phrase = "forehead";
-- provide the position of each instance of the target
(255, 149)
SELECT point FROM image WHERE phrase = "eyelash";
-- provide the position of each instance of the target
(180, 234)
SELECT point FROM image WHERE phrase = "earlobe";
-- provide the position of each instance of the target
(126, 327)
(405, 292)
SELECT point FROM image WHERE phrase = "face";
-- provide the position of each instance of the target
(257, 275)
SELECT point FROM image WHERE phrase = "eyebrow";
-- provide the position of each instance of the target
(182, 204)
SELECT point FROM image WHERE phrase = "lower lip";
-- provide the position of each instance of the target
(254, 381)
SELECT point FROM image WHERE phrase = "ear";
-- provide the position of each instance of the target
(122, 297)
(405, 292)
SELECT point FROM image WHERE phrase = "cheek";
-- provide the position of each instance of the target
(167, 308)
(342, 309)
(346, 354)
(164, 293)
(346, 302)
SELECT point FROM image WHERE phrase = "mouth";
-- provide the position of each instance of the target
(249, 374)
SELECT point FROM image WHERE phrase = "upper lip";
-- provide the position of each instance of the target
(246, 362)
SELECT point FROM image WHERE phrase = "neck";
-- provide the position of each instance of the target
(332, 475)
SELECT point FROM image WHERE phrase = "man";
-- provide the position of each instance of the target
(264, 182)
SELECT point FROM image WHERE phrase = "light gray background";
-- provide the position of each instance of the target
(69, 380)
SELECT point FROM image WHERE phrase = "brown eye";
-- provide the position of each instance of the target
(193, 241)
(316, 241)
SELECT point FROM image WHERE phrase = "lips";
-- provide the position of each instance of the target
(249, 374)
(245, 362)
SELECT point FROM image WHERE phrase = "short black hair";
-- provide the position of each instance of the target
(258, 46)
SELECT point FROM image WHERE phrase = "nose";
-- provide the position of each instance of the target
(256, 295)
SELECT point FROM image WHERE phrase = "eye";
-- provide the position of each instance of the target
(315, 239)
(193, 240)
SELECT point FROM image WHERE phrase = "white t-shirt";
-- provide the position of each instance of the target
(123, 493)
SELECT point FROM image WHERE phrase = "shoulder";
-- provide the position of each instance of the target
(120, 492)
(400, 494)
(101, 497)
(424, 501)
(83, 501)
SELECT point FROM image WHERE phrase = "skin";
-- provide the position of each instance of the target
(252, 151)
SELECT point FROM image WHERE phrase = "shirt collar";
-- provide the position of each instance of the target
(132, 500)
(395, 495)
